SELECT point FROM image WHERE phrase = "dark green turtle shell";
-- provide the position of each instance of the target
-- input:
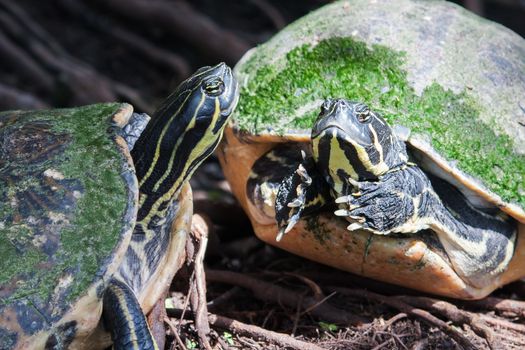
(68, 201)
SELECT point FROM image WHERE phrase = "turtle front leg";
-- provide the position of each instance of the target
(124, 318)
(299, 194)
(390, 204)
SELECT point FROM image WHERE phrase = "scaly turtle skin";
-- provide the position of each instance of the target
(454, 226)
(90, 228)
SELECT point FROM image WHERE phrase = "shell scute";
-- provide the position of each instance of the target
(67, 206)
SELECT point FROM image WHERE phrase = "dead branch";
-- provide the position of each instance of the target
(221, 299)
(252, 331)
(409, 310)
(454, 314)
(19, 61)
(30, 26)
(156, 322)
(153, 53)
(181, 20)
(271, 12)
(175, 333)
(318, 292)
(84, 83)
(11, 98)
(504, 323)
(515, 307)
(394, 319)
(270, 292)
(199, 238)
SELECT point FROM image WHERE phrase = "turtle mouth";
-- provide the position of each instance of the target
(316, 132)
(331, 116)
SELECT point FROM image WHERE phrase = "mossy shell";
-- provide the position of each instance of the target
(68, 203)
(457, 81)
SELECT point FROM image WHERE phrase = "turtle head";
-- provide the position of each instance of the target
(185, 129)
(213, 94)
(200, 106)
(351, 141)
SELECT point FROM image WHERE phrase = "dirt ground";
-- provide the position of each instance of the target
(69, 52)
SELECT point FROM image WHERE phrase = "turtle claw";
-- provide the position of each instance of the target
(342, 212)
(348, 213)
(305, 178)
(285, 230)
(295, 203)
(292, 199)
(280, 235)
(303, 155)
(343, 199)
(354, 226)
(354, 183)
(358, 219)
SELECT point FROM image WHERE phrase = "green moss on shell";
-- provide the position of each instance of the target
(87, 243)
(286, 95)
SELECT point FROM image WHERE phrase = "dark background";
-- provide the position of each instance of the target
(70, 52)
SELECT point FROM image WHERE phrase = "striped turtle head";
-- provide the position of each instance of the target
(185, 129)
(351, 141)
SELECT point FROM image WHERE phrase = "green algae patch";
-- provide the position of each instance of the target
(286, 96)
(62, 208)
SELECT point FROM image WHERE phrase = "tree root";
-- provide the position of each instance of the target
(398, 304)
(139, 45)
(180, 19)
(255, 332)
(270, 292)
(14, 98)
(454, 314)
(83, 82)
(198, 239)
(503, 306)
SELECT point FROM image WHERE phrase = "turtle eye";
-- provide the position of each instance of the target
(364, 116)
(214, 87)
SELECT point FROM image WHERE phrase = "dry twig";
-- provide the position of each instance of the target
(409, 310)
(84, 83)
(156, 322)
(270, 292)
(14, 98)
(198, 239)
(272, 12)
(180, 19)
(140, 45)
(454, 314)
(22, 63)
(255, 332)
(175, 332)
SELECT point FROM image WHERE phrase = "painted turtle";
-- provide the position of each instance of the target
(450, 88)
(94, 212)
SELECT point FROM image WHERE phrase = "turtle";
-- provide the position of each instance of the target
(95, 209)
(419, 178)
